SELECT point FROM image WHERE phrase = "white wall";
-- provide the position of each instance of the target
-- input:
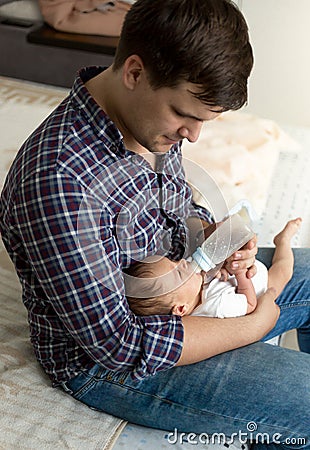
(279, 86)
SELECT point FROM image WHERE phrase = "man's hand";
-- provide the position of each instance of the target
(240, 260)
(267, 311)
(243, 259)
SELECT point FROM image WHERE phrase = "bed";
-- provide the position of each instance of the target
(34, 415)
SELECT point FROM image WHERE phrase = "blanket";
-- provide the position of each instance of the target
(101, 17)
(236, 154)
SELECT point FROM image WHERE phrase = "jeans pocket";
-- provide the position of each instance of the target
(89, 380)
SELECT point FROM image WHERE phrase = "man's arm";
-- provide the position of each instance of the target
(205, 337)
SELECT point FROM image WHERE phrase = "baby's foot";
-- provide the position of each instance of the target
(288, 231)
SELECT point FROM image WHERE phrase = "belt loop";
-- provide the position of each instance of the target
(64, 386)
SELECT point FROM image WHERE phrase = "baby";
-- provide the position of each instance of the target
(176, 288)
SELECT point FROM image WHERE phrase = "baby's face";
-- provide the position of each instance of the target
(182, 279)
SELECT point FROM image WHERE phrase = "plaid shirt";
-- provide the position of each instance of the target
(78, 208)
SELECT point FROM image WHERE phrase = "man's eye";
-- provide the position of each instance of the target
(178, 113)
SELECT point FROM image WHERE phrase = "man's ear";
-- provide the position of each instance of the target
(180, 310)
(132, 71)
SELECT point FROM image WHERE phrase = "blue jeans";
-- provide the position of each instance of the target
(259, 392)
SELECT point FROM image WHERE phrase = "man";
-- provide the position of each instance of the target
(100, 185)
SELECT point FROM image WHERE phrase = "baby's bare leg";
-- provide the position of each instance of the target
(281, 269)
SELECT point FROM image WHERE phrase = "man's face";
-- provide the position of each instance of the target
(157, 119)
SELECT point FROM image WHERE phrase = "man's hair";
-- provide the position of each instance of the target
(204, 42)
(141, 306)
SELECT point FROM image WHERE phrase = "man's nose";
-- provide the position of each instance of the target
(191, 132)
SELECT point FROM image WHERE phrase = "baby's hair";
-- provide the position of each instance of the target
(161, 305)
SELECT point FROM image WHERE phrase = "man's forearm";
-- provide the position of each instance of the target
(205, 337)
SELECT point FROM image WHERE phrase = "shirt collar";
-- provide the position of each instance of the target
(101, 123)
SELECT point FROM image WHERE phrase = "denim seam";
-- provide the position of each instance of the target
(84, 389)
(196, 411)
(295, 305)
(92, 381)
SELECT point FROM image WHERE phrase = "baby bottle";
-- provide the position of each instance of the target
(230, 235)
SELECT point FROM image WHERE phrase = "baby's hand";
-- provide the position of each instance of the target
(222, 274)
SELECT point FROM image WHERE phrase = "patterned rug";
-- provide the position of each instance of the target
(23, 106)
